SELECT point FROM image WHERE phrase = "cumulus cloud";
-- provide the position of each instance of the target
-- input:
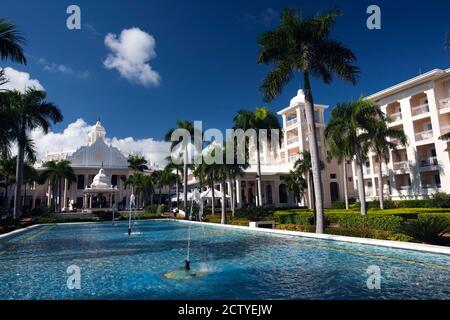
(130, 53)
(18, 80)
(75, 135)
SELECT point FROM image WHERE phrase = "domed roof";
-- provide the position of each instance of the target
(97, 132)
(101, 181)
(299, 98)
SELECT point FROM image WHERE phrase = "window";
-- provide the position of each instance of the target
(333, 176)
(350, 179)
(80, 182)
(437, 180)
(282, 193)
(114, 180)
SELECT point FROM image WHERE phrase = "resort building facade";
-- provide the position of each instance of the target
(277, 162)
(100, 170)
(420, 107)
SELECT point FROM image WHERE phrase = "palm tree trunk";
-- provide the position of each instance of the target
(380, 183)
(213, 199)
(177, 190)
(345, 184)
(223, 220)
(315, 158)
(6, 204)
(258, 175)
(185, 177)
(233, 196)
(360, 176)
(19, 181)
(310, 199)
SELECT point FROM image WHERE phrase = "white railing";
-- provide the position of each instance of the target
(395, 116)
(291, 122)
(291, 140)
(369, 191)
(367, 170)
(428, 134)
(423, 108)
(444, 103)
(428, 162)
(401, 165)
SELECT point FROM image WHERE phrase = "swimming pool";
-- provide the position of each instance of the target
(228, 263)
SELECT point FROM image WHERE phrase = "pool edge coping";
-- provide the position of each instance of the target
(367, 241)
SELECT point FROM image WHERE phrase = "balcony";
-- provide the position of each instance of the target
(424, 135)
(445, 129)
(421, 109)
(291, 122)
(397, 116)
(428, 162)
(444, 103)
(367, 170)
(291, 140)
(293, 158)
(369, 191)
(401, 165)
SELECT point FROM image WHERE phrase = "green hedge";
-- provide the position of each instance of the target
(301, 217)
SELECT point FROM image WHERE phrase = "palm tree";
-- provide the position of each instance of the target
(30, 176)
(261, 120)
(380, 137)
(137, 163)
(174, 165)
(207, 175)
(189, 127)
(354, 124)
(31, 111)
(54, 173)
(339, 149)
(11, 42)
(135, 181)
(307, 47)
(303, 167)
(147, 189)
(295, 184)
(7, 172)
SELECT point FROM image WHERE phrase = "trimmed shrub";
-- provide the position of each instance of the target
(254, 214)
(441, 200)
(37, 212)
(370, 221)
(388, 204)
(294, 217)
(427, 229)
(151, 208)
(162, 208)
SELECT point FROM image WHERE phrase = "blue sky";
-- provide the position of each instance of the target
(206, 56)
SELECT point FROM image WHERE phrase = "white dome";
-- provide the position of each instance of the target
(97, 132)
(299, 98)
(101, 181)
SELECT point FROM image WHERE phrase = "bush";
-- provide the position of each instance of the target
(296, 227)
(441, 200)
(340, 204)
(387, 203)
(37, 212)
(427, 229)
(162, 208)
(151, 209)
(370, 221)
(254, 214)
(294, 217)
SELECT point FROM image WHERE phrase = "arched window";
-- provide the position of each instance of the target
(283, 194)
(269, 194)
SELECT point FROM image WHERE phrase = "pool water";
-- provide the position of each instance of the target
(226, 264)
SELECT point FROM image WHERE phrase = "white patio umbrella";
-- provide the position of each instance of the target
(180, 197)
(208, 194)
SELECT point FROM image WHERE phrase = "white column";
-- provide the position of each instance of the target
(372, 173)
(238, 194)
(90, 201)
(64, 202)
(49, 192)
(411, 149)
(286, 156)
(440, 145)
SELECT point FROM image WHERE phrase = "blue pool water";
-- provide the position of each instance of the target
(229, 264)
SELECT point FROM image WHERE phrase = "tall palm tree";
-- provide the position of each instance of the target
(31, 111)
(380, 137)
(261, 119)
(353, 122)
(147, 189)
(175, 165)
(295, 184)
(189, 127)
(54, 173)
(11, 42)
(8, 173)
(135, 181)
(341, 150)
(306, 46)
(30, 176)
(137, 163)
(303, 167)
(207, 176)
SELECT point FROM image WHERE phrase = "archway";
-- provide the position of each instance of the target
(334, 191)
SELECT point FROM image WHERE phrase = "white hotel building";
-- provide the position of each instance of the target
(421, 108)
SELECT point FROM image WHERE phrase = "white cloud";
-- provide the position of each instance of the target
(63, 69)
(130, 53)
(75, 136)
(18, 80)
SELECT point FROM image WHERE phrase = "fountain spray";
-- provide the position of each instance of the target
(132, 201)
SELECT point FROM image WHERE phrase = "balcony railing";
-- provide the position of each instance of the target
(444, 103)
(291, 122)
(367, 170)
(383, 170)
(428, 162)
(418, 110)
(401, 165)
(291, 140)
(395, 116)
(428, 134)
